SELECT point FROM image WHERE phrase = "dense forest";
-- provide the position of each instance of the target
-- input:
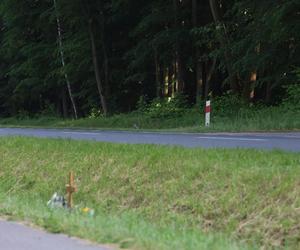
(70, 57)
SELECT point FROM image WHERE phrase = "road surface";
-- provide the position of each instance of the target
(285, 141)
(14, 236)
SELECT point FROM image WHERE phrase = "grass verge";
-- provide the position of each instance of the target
(156, 197)
(192, 120)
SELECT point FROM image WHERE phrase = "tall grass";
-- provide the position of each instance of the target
(192, 120)
(229, 113)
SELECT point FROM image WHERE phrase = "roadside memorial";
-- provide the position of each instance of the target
(70, 189)
(59, 201)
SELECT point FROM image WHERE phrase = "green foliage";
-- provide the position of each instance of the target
(142, 104)
(228, 105)
(246, 119)
(164, 108)
(143, 47)
(23, 115)
(49, 110)
(264, 36)
(95, 113)
(292, 101)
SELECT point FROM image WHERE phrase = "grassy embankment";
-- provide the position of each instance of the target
(155, 197)
(192, 120)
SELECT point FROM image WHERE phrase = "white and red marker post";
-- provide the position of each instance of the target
(207, 113)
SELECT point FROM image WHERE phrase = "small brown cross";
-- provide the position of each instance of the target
(70, 188)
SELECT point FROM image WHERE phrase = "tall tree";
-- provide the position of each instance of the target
(198, 63)
(62, 57)
(96, 68)
(224, 41)
(114, 52)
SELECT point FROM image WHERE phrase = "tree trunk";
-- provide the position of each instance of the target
(63, 60)
(159, 89)
(178, 58)
(199, 81)
(198, 64)
(105, 64)
(181, 82)
(253, 80)
(224, 41)
(170, 81)
(96, 69)
(249, 87)
(164, 81)
(268, 96)
(174, 78)
(208, 78)
(64, 104)
(249, 92)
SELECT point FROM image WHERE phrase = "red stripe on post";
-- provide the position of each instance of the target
(207, 109)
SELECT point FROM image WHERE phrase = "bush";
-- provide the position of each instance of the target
(164, 108)
(142, 104)
(23, 115)
(228, 105)
(49, 110)
(292, 100)
(95, 113)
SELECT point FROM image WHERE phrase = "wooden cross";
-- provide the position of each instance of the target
(70, 188)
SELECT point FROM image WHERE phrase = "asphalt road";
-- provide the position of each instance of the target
(14, 236)
(285, 141)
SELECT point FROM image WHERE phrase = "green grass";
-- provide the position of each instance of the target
(156, 197)
(126, 230)
(265, 119)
